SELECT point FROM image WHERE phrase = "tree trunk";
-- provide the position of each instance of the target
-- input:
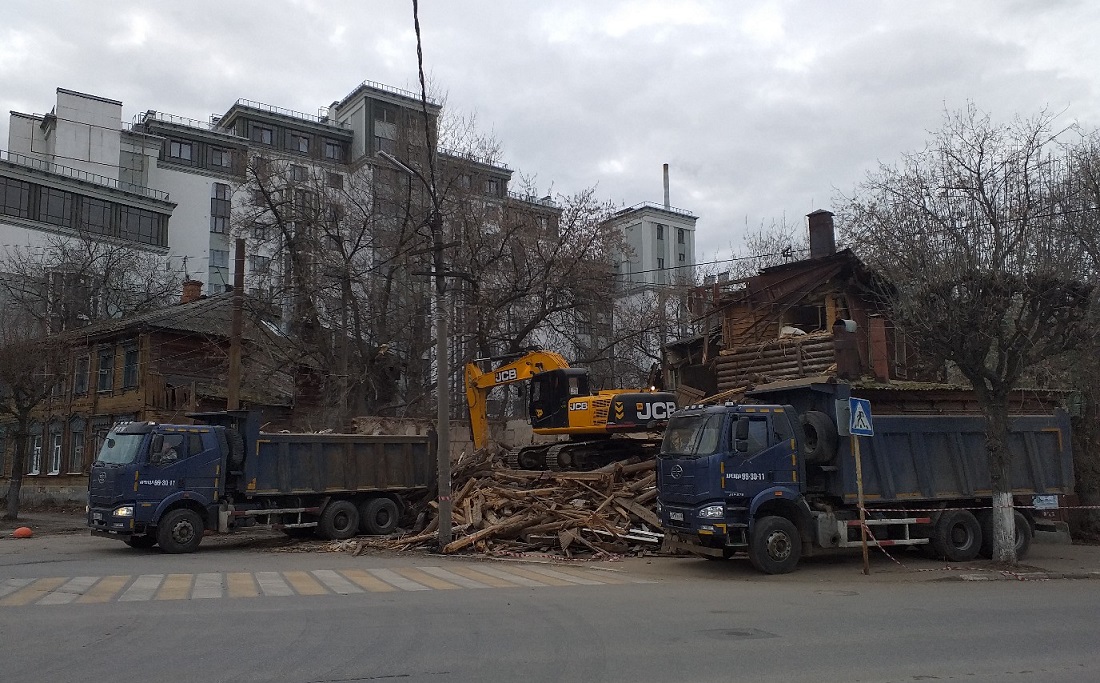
(996, 439)
(18, 464)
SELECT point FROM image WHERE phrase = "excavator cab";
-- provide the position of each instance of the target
(550, 393)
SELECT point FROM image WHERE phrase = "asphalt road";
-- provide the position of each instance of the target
(74, 608)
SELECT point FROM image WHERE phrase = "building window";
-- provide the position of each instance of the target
(130, 368)
(34, 454)
(259, 233)
(15, 198)
(80, 377)
(106, 375)
(660, 231)
(263, 135)
(179, 150)
(299, 143)
(334, 180)
(386, 145)
(76, 452)
(660, 264)
(333, 151)
(142, 225)
(299, 173)
(95, 215)
(219, 157)
(56, 207)
(55, 454)
(219, 258)
(220, 207)
(679, 235)
(683, 258)
(492, 187)
(260, 264)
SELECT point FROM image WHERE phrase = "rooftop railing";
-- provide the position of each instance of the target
(272, 109)
(532, 199)
(390, 89)
(77, 174)
(662, 207)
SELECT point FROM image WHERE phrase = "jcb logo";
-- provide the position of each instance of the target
(578, 405)
(656, 411)
(506, 375)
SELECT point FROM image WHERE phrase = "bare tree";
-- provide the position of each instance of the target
(29, 363)
(988, 268)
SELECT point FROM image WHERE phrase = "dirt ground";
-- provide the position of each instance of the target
(46, 520)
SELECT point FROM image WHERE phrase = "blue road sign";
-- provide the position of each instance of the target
(860, 424)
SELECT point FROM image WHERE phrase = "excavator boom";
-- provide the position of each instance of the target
(479, 383)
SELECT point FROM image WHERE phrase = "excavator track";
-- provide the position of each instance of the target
(511, 459)
(553, 455)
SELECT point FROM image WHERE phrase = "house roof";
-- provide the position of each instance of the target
(210, 316)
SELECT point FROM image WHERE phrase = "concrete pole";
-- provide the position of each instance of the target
(233, 398)
(442, 388)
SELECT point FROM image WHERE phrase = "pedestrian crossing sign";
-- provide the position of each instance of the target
(860, 410)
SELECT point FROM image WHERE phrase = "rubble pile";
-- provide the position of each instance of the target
(499, 511)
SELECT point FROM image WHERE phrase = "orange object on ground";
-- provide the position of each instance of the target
(22, 532)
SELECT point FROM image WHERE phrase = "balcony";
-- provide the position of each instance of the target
(77, 174)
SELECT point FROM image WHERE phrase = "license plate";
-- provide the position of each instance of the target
(676, 516)
(97, 515)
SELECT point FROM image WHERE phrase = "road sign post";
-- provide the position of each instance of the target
(860, 425)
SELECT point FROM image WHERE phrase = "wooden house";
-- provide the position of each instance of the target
(157, 366)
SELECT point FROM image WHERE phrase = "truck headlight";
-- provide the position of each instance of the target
(712, 512)
(124, 511)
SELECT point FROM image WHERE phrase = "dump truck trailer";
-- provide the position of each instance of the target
(169, 485)
(776, 478)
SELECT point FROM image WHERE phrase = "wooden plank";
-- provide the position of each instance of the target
(644, 513)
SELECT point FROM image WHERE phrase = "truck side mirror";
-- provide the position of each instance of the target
(741, 436)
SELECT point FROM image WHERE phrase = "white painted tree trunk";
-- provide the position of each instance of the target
(1004, 529)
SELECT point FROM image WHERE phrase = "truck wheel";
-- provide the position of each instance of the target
(957, 536)
(378, 516)
(775, 546)
(141, 542)
(339, 521)
(819, 445)
(180, 531)
(1024, 534)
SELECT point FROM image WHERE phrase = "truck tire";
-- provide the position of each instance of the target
(1024, 534)
(236, 448)
(957, 536)
(378, 516)
(339, 521)
(775, 546)
(180, 531)
(820, 442)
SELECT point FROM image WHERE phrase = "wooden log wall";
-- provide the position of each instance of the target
(786, 358)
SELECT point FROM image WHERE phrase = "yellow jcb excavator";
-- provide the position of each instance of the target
(602, 427)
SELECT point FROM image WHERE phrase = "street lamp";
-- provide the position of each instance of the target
(442, 389)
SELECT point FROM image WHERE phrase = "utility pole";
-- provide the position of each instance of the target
(233, 398)
(442, 385)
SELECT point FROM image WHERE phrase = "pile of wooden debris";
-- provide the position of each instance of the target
(499, 511)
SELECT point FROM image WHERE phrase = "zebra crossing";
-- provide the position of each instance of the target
(259, 584)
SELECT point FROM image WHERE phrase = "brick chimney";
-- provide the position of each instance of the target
(822, 237)
(192, 291)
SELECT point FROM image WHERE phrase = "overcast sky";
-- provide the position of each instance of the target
(763, 110)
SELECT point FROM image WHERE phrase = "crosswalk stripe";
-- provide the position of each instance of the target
(175, 587)
(208, 585)
(272, 584)
(514, 578)
(143, 588)
(570, 578)
(538, 577)
(69, 591)
(304, 584)
(452, 577)
(336, 583)
(424, 578)
(107, 588)
(367, 582)
(12, 585)
(487, 579)
(395, 579)
(32, 592)
(241, 585)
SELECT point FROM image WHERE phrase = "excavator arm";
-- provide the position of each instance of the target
(479, 383)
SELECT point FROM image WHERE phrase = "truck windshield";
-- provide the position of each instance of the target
(692, 436)
(120, 449)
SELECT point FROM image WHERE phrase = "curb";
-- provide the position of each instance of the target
(1022, 576)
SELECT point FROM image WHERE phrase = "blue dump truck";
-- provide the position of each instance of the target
(168, 485)
(776, 478)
